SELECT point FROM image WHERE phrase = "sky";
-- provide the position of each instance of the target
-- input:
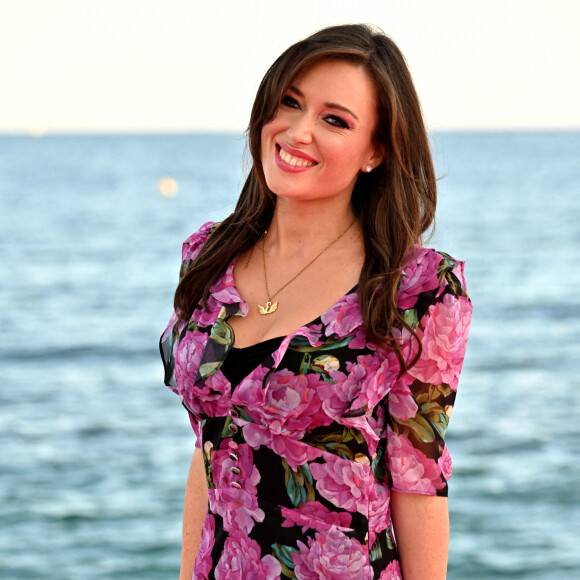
(185, 65)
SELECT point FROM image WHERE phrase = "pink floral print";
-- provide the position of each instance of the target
(411, 469)
(207, 398)
(238, 506)
(444, 342)
(202, 567)
(294, 452)
(313, 515)
(290, 404)
(302, 455)
(241, 560)
(420, 275)
(332, 555)
(342, 482)
(392, 572)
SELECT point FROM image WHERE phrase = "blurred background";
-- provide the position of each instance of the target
(121, 132)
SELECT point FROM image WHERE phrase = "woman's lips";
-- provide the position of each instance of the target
(293, 161)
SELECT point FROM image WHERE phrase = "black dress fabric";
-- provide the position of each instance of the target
(240, 362)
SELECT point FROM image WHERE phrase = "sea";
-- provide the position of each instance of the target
(94, 449)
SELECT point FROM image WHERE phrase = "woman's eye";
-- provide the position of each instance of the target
(291, 102)
(337, 122)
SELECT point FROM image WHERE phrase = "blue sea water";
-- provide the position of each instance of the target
(94, 450)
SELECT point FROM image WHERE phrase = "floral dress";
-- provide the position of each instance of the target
(302, 455)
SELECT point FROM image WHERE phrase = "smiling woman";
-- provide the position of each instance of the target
(322, 130)
(315, 343)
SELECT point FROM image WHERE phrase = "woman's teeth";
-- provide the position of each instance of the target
(295, 161)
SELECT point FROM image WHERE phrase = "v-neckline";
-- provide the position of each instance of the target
(243, 305)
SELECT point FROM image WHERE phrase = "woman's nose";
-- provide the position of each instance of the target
(300, 130)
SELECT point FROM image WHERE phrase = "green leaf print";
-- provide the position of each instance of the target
(436, 416)
(336, 442)
(389, 538)
(411, 318)
(445, 270)
(299, 484)
(305, 364)
(226, 433)
(375, 553)
(284, 555)
(206, 369)
(416, 428)
(377, 466)
(221, 333)
(192, 326)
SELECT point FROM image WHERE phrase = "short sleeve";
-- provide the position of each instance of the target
(420, 403)
(175, 328)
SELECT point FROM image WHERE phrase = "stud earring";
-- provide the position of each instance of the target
(368, 168)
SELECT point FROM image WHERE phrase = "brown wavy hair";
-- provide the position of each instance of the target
(395, 203)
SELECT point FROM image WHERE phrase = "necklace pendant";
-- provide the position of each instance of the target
(269, 308)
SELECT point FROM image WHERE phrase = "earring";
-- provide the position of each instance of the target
(368, 168)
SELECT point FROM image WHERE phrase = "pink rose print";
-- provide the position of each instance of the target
(240, 560)
(205, 317)
(216, 403)
(379, 508)
(331, 555)
(192, 246)
(344, 317)
(392, 572)
(188, 356)
(208, 398)
(294, 452)
(367, 382)
(343, 482)
(224, 289)
(290, 404)
(402, 404)
(249, 392)
(411, 469)
(420, 275)
(313, 515)
(237, 506)
(337, 398)
(203, 561)
(445, 463)
(444, 342)
(222, 464)
(238, 509)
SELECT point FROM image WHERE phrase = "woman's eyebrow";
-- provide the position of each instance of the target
(328, 105)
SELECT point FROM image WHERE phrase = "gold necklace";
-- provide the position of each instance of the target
(271, 307)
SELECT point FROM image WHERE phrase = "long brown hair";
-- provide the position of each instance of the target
(395, 203)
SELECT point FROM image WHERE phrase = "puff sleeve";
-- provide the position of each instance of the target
(176, 328)
(435, 303)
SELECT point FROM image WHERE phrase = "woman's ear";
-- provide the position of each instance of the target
(377, 156)
(375, 159)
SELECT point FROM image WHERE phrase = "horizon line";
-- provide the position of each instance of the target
(38, 133)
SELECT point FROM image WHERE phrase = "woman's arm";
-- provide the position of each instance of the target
(194, 512)
(421, 525)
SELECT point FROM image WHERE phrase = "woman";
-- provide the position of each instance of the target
(317, 345)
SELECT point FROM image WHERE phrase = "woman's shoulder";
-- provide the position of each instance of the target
(194, 243)
(430, 271)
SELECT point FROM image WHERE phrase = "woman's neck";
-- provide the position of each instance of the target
(303, 227)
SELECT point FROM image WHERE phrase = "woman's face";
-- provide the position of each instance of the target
(321, 136)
